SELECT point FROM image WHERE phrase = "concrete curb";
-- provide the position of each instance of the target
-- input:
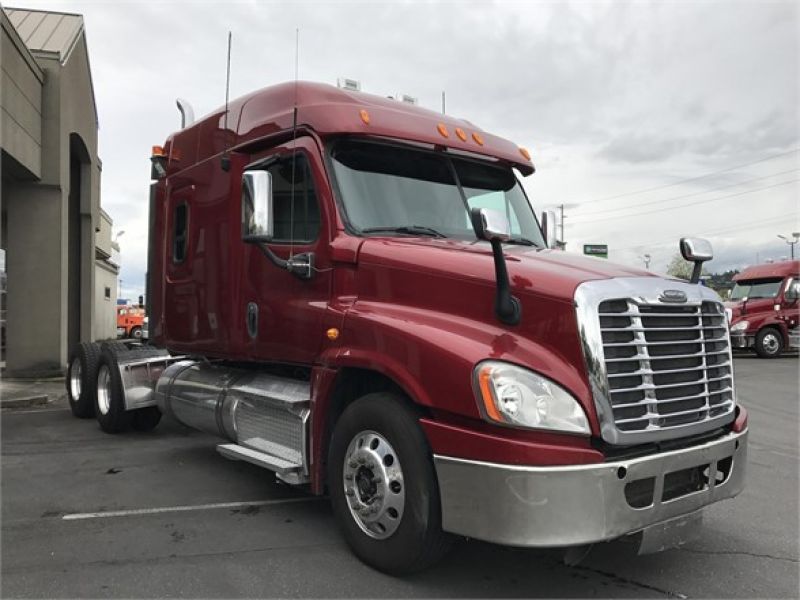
(25, 401)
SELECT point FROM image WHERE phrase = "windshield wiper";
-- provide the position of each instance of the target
(407, 229)
(521, 241)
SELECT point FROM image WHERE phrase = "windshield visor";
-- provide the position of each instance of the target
(387, 186)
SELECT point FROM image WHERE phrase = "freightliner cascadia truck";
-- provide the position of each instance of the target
(355, 294)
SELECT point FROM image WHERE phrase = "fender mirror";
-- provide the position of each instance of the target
(698, 251)
(493, 226)
(490, 224)
(257, 216)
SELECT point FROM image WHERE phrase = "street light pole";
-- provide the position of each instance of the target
(646, 259)
(796, 236)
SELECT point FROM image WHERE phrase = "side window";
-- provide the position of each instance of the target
(180, 232)
(296, 215)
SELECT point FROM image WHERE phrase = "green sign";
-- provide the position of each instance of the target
(600, 250)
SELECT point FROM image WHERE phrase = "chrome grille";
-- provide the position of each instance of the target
(658, 370)
(667, 366)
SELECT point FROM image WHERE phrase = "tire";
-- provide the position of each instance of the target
(81, 380)
(136, 333)
(146, 419)
(110, 404)
(769, 343)
(411, 538)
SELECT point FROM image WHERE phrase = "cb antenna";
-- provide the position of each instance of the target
(226, 159)
(294, 142)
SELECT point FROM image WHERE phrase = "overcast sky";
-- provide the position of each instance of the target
(620, 103)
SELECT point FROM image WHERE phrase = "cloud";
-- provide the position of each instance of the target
(611, 97)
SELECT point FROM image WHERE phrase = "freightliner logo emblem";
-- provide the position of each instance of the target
(675, 296)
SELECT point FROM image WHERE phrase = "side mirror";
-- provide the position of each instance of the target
(793, 291)
(490, 224)
(698, 251)
(549, 228)
(257, 217)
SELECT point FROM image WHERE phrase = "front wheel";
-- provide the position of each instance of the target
(383, 486)
(769, 343)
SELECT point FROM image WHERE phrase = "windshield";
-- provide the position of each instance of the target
(389, 187)
(756, 288)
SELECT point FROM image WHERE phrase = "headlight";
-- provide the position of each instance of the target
(740, 326)
(511, 395)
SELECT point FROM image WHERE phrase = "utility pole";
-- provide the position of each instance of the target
(563, 241)
(443, 102)
(646, 258)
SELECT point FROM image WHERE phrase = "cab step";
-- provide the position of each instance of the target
(286, 470)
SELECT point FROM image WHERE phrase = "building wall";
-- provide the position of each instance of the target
(21, 82)
(50, 250)
(105, 314)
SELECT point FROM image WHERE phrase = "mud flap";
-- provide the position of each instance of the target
(670, 534)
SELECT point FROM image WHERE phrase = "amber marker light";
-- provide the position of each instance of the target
(484, 382)
(364, 116)
(442, 130)
(332, 333)
(525, 153)
(158, 151)
(461, 134)
(478, 138)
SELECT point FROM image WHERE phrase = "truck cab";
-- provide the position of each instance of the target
(764, 309)
(356, 294)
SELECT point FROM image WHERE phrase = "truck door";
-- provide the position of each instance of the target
(283, 314)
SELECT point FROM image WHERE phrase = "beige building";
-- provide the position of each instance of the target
(57, 241)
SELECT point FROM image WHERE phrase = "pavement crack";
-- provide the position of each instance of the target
(740, 553)
(638, 584)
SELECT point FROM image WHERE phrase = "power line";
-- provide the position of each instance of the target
(693, 204)
(724, 187)
(661, 187)
(751, 225)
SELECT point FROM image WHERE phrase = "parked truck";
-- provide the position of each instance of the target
(763, 308)
(355, 294)
(130, 320)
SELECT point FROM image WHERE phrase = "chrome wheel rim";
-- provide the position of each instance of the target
(75, 371)
(771, 343)
(373, 484)
(103, 389)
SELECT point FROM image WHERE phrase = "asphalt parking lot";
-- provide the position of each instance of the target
(86, 514)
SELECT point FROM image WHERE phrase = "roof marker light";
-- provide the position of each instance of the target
(158, 151)
(525, 153)
(461, 134)
(364, 116)
(478, 138)
(442, 130)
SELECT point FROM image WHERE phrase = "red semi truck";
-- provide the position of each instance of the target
(764, 309)
(355, 294)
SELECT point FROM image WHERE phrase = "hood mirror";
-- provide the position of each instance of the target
(698, 251)
(490, 224)
(549, 228)
(493, 226)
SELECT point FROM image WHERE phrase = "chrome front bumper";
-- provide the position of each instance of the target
(742, 340)
(582, 504)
